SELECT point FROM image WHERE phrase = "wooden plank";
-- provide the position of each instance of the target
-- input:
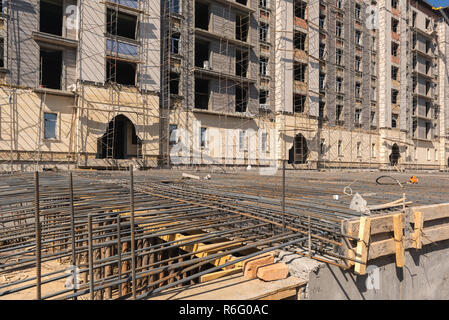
(419, 222)
(234, 287)
(399, 239)
(378, 225)
(281, 295)
(433, 212)
(362, 245)
(219, 274)
(348, 248)
(434, 234)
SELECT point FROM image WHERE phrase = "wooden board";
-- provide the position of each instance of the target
(235, 288)
(362, 245)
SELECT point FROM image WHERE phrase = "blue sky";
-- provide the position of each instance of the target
(439, 3)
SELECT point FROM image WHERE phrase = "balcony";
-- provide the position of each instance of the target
(54, 39)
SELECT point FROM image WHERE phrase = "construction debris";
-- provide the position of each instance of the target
(272, 272)
(250, 267)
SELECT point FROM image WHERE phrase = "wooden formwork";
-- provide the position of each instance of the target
(393, 233)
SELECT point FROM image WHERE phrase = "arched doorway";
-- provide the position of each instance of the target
(395, 155)
(120, 140)
(299, 151)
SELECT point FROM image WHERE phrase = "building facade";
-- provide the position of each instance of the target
(80, 83)
(339, 83)
(314, 83)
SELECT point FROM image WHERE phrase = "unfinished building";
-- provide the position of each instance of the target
(363, 84)
(80, 83)
(216, 89)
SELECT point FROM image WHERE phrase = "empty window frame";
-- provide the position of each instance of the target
(394, 120)
(201, 94)
(339, 84)
(202, 15)
(394, 49)
(300, 72)
(263, 97)
(263, 3)
(428, 46)
(394, 4)
(358, 64)
(373, 118)
(339, 57)
(51, 17)
(300, 9)
(394, 25)
(263, 32)
(263, 66)
(243, 2)
(121, 24)
(241, 99)
(173, 6)
(322, 50)
(241, 63)
(394, 72)
(174, 83)
(428, 130)
(338, 112)
(427, 23)
(241, 27)
(358, 38)
(201, 53)
(394, 96)
(50, 68)
(121, 72)
(357, 89)
(358, 116)
(428, 67)
(339, 149)
(299, 103)
(339, 29)
(322, 21)
(428, 87)
(322, 81)
(174, 43)
(428, 108)
(359, 149)
(414, 105)
(339, 4)
(357, 11)
(50, 125)
(300, 40)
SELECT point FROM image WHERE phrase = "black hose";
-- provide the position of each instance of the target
(391, 183)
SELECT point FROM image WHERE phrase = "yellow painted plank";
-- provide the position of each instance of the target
(362, 245)
(219, 274)
(399, 239)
